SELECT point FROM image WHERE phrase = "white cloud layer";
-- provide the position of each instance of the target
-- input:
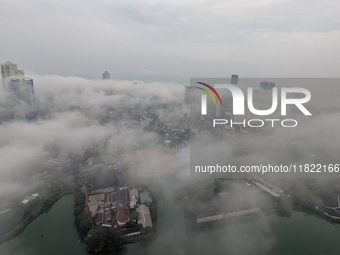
(172, 40)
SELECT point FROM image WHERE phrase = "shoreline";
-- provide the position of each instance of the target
(316, 213)
(13, 233)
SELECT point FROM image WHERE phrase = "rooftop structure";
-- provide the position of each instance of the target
(107, 219)
(144, 216)
(110, 161)
(120, 198)
(145, 198)
(106, 190)
(133, 197)
(123, 215)
(234, 79)
(8, 70)
(98, 219)
(94, 202)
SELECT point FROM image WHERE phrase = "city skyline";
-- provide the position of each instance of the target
(156, 41)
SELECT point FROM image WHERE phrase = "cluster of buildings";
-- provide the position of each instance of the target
(20, 87)
(175, 135)
(114, 208)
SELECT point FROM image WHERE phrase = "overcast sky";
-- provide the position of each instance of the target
(172, 40)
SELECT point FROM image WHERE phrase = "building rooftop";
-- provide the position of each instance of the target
(123, 215)
(145, 197)
(109, 159)
(133, 193)
(144, 216)
(93, 203)
(99, 219)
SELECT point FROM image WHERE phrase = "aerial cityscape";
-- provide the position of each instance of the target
(123, 133)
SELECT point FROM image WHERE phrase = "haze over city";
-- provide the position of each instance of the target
(172, 41)
(101, 124)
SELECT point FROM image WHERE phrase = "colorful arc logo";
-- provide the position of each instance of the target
(208, 92)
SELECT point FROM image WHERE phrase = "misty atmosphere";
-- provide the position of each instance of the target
(110, 144)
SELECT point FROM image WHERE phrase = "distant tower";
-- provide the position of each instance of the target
(10, 70)
(234, 79)
(267, 85)
(106, 75)
(21, 88)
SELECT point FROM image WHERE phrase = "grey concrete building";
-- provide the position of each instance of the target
(234, 79)
(106, 75)
(10, 70)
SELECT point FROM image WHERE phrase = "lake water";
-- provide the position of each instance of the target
(299, 234)
(52, 233)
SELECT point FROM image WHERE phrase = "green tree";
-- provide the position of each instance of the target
(148, 236)
(115, 241)
(96, 240)
(101, 240)
(130, 224)
(85, 223)
(78, 210)
(135, 215)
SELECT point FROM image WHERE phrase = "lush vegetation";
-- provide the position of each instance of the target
(82, 219)
(102, 240)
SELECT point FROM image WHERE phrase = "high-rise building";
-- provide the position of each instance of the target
(22, 91)
(267, 85)
(106, 75)
(234, 79)
(10, 70)
(20, 88)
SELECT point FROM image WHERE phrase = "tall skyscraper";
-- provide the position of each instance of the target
(10, 70)
(21, 88)
(234, 79)
(22, 91)
(267, 85)
(106, 75)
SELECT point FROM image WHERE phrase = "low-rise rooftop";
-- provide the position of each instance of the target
(145, 197)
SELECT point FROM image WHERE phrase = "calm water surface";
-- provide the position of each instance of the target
(54, 232)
